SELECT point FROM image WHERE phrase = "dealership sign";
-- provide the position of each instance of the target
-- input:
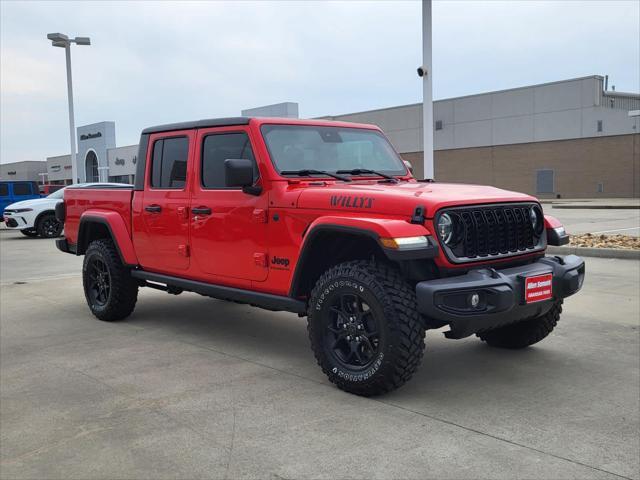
(89, 136)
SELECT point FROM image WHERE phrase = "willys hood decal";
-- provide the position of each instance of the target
(402, 198)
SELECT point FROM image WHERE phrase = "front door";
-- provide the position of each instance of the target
(162, 241)
(228, 226)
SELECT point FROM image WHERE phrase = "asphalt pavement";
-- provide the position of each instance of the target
(190, 387)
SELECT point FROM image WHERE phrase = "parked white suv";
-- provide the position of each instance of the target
(36, 217)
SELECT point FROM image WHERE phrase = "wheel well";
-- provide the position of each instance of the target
(41, 215)
(326, 249)
(89, 231)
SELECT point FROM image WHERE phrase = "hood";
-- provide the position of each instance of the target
(402, 198)
(33, 203)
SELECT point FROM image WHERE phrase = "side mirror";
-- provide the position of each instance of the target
(238, 172)
(407, 164)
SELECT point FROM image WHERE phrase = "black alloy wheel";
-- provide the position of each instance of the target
(352, 332)
(49, 227)
(110, 290)
(364, 327)
(99, 284)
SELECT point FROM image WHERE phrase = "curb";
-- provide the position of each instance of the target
(595, 252)
(597, 207)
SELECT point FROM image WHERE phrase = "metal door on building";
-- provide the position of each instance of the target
(545, 181)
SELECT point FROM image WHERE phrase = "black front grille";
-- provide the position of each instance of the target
(492, 231)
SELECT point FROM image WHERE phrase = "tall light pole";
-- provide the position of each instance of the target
(63, 41)
(427, 91)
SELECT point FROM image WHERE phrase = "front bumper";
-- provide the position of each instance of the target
(17, 221)
(501, 292)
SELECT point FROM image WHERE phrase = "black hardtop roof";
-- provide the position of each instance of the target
(210, 122)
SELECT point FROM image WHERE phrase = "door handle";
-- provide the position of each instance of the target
(153, 208)
(201, 211)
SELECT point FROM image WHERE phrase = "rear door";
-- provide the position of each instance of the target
(228, 226)
(162, 242)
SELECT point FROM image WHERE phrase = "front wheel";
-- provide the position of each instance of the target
(523, 334)
(49, 226)
(110, 290)
(364, 328)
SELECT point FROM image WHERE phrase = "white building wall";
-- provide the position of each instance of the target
(122, 160)
(59, 168)
(555, 111)
(28, 170)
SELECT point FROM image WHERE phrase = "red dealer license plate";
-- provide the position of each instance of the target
(538, 288)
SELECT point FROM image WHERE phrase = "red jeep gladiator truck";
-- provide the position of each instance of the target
(325, 220)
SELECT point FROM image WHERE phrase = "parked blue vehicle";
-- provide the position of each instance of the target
(16, 191)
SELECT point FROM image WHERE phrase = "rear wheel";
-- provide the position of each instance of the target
(48, 226)
(364, 328)
(525, 333)
(29, 232)
(110, 290)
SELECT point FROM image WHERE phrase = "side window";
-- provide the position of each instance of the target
(169, 162)
(21, 189)
(4, 190)
(220, 147)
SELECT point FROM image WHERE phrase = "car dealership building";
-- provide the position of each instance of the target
(570, 138)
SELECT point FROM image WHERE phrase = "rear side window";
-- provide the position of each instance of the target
(22, 189)
(220, 147)
(4, 190)
(169, 162)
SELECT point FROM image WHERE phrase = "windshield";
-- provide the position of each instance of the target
(57, 194)
(301, 147)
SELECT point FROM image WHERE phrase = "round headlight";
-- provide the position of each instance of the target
(445, 228)
(537, 222)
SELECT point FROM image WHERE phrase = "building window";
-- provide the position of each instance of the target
(91, 167)
(218, 148)
(4, 189)
(438, 124)
(169, 164)
(600, 187)
(599, 128)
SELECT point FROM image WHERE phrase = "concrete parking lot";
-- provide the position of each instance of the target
(190, 387)
(609, 221)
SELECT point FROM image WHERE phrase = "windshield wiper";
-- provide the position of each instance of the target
(361, 171)
(308, 172)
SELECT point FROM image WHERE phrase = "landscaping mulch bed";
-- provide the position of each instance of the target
(625, 242)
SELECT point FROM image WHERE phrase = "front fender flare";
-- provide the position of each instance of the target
(368, 227)
(376, 227)
(117, 227)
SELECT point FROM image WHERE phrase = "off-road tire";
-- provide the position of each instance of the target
(49, 226)
(525, 333)
(402, 325)
(29, 232)
(123, 289)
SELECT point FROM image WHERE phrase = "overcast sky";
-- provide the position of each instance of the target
(159, 62)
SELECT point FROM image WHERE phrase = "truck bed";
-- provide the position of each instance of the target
(79, 201)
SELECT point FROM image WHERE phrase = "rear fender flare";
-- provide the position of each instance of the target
(118, 231)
